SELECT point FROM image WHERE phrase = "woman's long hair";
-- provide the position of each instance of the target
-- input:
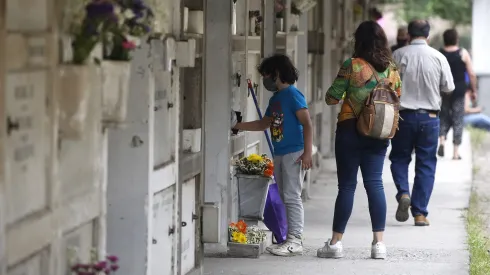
(371, 45)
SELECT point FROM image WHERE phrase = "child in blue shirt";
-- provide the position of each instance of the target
(289, 121)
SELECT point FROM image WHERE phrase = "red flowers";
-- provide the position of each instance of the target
(128, 45)
(102, 267)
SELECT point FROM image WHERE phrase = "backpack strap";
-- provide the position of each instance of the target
(375, 73)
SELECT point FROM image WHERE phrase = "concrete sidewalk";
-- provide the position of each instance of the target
(437, 249)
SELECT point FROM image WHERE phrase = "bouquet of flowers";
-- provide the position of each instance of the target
(95, 267)
(117, 24)
(241, 233)
(238, 232)
(86, 28)
(132, 20)
(255, 165)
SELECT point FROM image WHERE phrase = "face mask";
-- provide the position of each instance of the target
(269, 84)
(402, 42)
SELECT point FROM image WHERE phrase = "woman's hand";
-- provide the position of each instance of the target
(305, 160)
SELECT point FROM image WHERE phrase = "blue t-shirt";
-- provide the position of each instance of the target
(286, 130)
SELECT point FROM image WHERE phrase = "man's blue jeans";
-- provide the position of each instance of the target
(417, 130)
(353, 151)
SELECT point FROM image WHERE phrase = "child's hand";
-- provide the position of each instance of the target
(305, 160)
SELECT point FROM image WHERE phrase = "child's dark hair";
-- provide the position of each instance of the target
(279, 63)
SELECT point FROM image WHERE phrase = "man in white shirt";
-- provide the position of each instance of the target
(425, 73)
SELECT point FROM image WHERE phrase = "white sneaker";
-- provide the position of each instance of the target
(378, 251)
(272, 246)
(331, 251)
(291, 247)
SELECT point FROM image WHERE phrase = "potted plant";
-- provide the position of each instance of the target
(79, 46)
(245, 241)
(254, 174)
(122, 36)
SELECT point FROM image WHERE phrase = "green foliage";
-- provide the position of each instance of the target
(477, 237)
(456, 11)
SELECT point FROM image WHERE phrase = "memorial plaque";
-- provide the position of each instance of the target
(36, 265)
(189, 230)
(164, 121)
(39, 50)
(163, 221)
(28, 50)
(16, 51)
(25, 171)
(27, 15)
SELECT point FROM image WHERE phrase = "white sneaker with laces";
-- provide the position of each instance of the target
(331, 251)
(272, 246)
(378, 251)
(291, 247)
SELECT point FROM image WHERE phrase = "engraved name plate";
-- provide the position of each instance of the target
(27, 15)
(25, 171)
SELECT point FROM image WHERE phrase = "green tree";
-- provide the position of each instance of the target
(456, 11)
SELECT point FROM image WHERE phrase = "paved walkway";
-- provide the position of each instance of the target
(439, 249)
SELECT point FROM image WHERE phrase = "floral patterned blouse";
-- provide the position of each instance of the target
(356, 80)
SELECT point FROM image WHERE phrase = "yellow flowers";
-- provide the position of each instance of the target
(238, 232)
(239, 237)
(241, 233)
(254, 158)
(255, 164)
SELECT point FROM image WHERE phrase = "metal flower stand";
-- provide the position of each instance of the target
(252, 195)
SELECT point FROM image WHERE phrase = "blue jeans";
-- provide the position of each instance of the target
(420, 131)
(479, 121)
(351, 152)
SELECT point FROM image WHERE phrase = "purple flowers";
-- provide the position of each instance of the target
(99, 8)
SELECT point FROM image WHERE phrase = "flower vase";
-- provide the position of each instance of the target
(75, 89)
(294, 27)
(280, 24)
(115, 91)
(252, 195)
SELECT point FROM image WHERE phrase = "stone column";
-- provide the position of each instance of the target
(217, 107)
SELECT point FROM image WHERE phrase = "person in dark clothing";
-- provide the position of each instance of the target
(452, 108)
(402, 39)
(375, 14)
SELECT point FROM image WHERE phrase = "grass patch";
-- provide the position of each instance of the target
(477, 136)
(477, 239)
(476, 169)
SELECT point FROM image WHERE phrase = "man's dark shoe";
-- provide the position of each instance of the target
(402, 210)
(421, 220)
(440, 151)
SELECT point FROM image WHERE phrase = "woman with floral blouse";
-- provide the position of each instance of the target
(353, 84)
